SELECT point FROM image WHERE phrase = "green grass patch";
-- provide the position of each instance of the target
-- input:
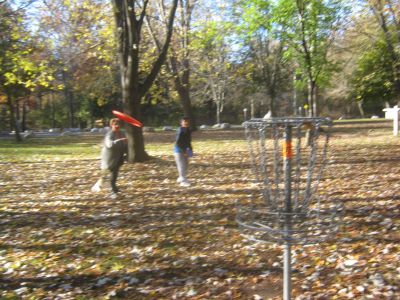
(48, 149)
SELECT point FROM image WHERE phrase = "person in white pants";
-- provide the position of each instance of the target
(183, 151)
(112, 157)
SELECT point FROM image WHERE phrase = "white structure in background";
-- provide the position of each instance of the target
(393, 114)
(268, 115)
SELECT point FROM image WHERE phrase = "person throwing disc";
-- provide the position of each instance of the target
(112, 157)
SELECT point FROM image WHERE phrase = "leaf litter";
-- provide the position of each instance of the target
(161, 241)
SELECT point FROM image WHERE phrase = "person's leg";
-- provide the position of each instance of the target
(185, 166)
(113, 180)
(99, 183)
(181, 166)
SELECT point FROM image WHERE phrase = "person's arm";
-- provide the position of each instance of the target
(190, 141)
(119, 140)
(189, 148)
(108, 140)
(180, 140)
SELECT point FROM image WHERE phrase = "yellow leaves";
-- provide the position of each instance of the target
(372, 260)
(11, 78)
(319, 261)
(117, 266)
(68, 3)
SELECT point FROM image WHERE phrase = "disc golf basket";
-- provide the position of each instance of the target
(287, 157)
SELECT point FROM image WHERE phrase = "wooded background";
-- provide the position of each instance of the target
(60, 63)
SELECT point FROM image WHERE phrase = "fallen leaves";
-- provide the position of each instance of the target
(160, 241)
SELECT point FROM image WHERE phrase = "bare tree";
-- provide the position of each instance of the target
(178, 61)
(269, 68)
(129, 18)
(217, 83)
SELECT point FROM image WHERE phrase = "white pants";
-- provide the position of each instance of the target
(108, 178)
(182, 164)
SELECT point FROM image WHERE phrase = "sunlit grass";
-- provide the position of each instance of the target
(200, 147)
(88, 147)
(66, 148)
(47, 149)
(374, 137)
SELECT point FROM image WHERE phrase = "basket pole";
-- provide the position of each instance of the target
(281, 220)
(287, 167)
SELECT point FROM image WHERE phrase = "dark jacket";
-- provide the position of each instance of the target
(183, 140)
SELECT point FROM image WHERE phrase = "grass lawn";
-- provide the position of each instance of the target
(46, 149)
(157, 240)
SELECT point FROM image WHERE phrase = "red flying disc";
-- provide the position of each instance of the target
(126, 118)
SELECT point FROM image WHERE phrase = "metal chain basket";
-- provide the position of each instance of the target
(287, 157)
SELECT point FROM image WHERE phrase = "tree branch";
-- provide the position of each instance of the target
(161, 58)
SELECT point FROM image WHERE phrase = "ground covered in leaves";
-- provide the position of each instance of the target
(58, 240)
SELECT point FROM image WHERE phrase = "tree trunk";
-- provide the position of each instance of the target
(184, 96)
(182, 83)
(182, 86)
(316, 100)
(129, 21)
(136, 147)
(181, 74)
(360, 108)
(252, 109)
(71, 115)
(53, 110)
(295, 112)
(14, 121)
(218, 98)
(17, 110)
(69, 100)
(310, 99)
(313, 105)
(395, 57)
(24, 113)
(272, 103)
(219, 110)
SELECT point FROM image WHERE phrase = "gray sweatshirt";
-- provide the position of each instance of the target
(113, 151)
